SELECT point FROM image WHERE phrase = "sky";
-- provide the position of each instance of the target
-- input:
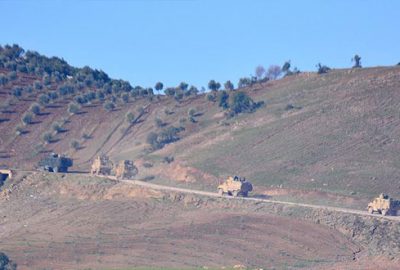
(198, 40)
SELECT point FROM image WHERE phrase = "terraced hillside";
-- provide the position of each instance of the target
(334, 133)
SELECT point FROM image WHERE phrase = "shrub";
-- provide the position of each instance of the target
(12, 76)
(6, 263)
(100, 95)
(38, 85)
(166, 136)
(109, 106)
(229, 85)
(357, 61)
(125, 98)
(81, 99)
(322, 68)
(17, 92)
(75, 144)
(19, 130)
(213, 85)
(53, 95)
(57, 127)
(260, 72)
(86, 136)
(192, 112)
(244, 82)
(43, 99)
(168, 159)
(159, 86)
(183, 86)
(130, 118)
(222, 99)
(152, 139)
(170, 91)
(147, 165)
(27, 118)
(35, 108)
(73, 108)
(3, 79)
(168, 112)
(240, 102)
(47, 137)
(140, 111)
(210, 97)
(274, 71)
(286, 67)
(159, 123)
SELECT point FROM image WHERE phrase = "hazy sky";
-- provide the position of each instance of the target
(195, 41)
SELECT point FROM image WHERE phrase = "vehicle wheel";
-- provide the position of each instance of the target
(234, 193)
(220, 192)
(384, 212)
(370, 210)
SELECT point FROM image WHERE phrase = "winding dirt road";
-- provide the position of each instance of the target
(211, 194)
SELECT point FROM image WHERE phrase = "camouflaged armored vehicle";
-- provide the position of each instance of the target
(102, 165)
(235, 186)
(384, 205)
(125, 169)
(55, 163)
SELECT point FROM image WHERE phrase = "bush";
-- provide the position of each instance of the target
(213, 85)
(125, 98)
(229, 85)
(222, 99)
(73, 108)
(168, 112)
(159, 123)
(357, 61)
(274, 71)
(109, 106)
(152, 139)
(3, 79)
(43, 99)
(12, 76)
(210, 97)
(147, 165)
(27, 119)
(6, 263)
(322, 68)
(168, 159)
(53, 95)
(170, 91)
(17, 92)
(192, 112)
(57, 127)
(244, 82)
(47, 137)
(240, 102)
(38, 85)
(35, 108)
(159, 86)
(75, 144)
(86, 136)
(130, 118)
(166, 136)
(19, 130)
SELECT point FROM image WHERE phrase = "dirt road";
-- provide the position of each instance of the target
(211, 194)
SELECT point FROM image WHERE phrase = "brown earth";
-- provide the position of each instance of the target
(101, 223)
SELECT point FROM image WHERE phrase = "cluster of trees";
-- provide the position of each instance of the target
(165, 136)
(237, 102)
(179, 92)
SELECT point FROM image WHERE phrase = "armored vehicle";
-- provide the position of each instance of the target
(125, 169)
(235, 186)
(384, 205)
(55, 163)
(102, 165)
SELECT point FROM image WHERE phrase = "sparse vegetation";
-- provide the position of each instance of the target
(159, 123)
(213, 85)
(109, 106)
(43, 99)
(6, 263)
(130, 118)
(322, 68)
(48, 137)
(168, 159)
(19, 130)
(75, 144)
(357, 61)
(35, 108)
(228, 85)
(57, 127)
(274, 71)
(73, 108)
(27, 118)
(166, 136)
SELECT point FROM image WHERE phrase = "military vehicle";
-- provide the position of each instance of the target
(384, 205)
(102, 165)
(55, 163)
(125, 169)
(235, 186)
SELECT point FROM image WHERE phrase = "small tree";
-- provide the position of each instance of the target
(57, 127)
(322, 68)
(229, 85)
(159, 86)
(159, 123)
(260, 72)
(222, 99)
(27, 118)
(274, 71)
(43, 99)
(3, 79)
(130, 118)
(286, 67)
(75, 145)
(183, 86)
(152, 139)
(244, 82)
(125, 98)
(213, 85)
(35, 108)
(73, 108)
(17, 92)
(170, 91)
(109, 106)
(47, 137)
(357, 61)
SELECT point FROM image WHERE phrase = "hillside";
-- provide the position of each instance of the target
(334, 133)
